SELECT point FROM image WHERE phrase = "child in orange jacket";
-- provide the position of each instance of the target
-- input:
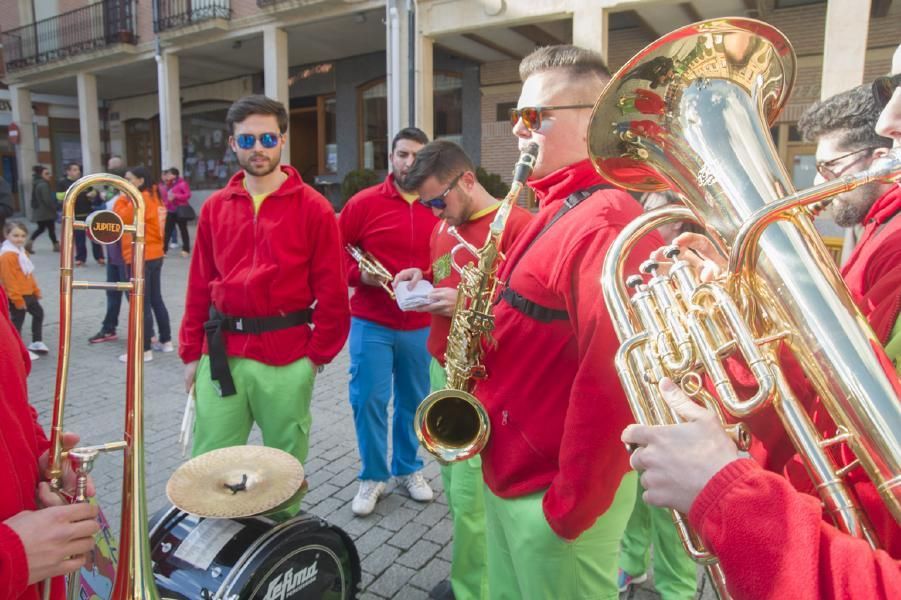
(17, 278)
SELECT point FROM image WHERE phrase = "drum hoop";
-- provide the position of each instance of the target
(159, 523)
(249, 553)
(320, 547)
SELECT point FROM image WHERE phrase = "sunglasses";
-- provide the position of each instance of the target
(825, 167)
(884, 88)
(438, 201)
(246, 141)
(531, 115)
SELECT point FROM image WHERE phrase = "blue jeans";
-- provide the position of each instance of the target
(383, 360)
(114, 273)
(153, 300)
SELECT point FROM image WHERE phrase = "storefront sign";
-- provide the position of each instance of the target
(13, 133)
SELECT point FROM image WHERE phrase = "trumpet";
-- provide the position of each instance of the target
(720, 83)
(452, 424)
(134, 576)
(371, 266)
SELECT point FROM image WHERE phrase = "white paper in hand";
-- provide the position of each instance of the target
(408, 299)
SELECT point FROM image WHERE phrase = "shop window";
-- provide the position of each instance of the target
(503, 111)
(448, 104)
(372, 101)
(208, 160)
(328, 113)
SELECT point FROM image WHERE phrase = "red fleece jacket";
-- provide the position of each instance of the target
(22, 441)
(396, 232)
(283, 259)
(552, 393)
(770, 537)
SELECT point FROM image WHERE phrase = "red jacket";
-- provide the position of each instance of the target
(396, 233)
(442, 274)
(737, 511)
(22, 441)
(281, 260)
(552, 392)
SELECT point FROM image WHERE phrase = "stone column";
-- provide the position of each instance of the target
(26, 150)
(275, 73)
(844, 46)
(171, 148)
(397, 55)
(89, 124)
(425, 84)
(590, 28)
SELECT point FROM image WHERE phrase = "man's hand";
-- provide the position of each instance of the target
(677, 461)
(368, 279)
(443, 299)
(70, 440)
(698, 251)
(411, 275)
(56, 538)
(190, 372)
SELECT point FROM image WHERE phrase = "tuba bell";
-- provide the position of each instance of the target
(691, 112)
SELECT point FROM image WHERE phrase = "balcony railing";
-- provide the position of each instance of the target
(81, 30)
(172, 14)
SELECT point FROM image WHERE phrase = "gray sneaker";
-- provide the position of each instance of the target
(367, 496)
(417, 486)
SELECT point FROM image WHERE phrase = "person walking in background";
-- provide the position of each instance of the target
(43, 208)
(388, 355)
(155, 218)
(177, 195)
(84, 204)
(17, 278)
(6, 202)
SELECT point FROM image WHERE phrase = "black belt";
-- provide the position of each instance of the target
(532, 309)
(220, 323)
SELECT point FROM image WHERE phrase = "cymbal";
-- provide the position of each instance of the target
(239, 481)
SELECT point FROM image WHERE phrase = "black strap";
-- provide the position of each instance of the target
(520, 302)
(219, 323)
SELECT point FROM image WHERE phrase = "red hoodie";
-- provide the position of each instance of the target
(555, 402)
(396, 232)
(22, 441)
(772, 539)
(281, 260)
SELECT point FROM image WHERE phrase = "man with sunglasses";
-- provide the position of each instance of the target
(388, 355)
(445, 178)
(558, 485)
(267, 249)
(774, 539)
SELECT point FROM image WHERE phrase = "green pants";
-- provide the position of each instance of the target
(463, 489)
(276, 398)
(528, 561)
(675, 574)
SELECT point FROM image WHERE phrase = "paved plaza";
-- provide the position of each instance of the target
(405, 546)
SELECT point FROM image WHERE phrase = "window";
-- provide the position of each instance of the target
(448, 103)
(503, 111)
(328, 113)
(373, 106)
(208, 160)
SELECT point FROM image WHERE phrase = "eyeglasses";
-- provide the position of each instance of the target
(531, 115)
(438, 201)
(884, 88)
(246, 141)
(825, 167)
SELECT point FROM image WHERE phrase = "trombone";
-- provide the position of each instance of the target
(134, 575)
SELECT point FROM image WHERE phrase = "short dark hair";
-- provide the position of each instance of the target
(174, 171)
(144, 173)
(69, 165)
(853, 113)
(256, 104)
(574, 60)
(38, 170)
(442, 159)
(410, 133)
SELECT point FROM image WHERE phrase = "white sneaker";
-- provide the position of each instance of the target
(33, 356)
(367, 496)
(148, 356)
(417, 487)
(174, 245)
(164, 347)
(39, 347)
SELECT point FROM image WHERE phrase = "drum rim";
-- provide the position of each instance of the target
(326, 549)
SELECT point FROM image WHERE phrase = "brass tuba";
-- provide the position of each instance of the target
(452, 424)
(134, 576)
(691, 112)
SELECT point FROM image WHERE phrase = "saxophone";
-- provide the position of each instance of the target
(452, 424)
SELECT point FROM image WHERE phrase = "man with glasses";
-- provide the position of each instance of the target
(388, 355)
(772, 540)
(267, 250)
(558, 485)
(445, 179)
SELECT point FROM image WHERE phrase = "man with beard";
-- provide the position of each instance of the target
(387, 345)
(267, 250)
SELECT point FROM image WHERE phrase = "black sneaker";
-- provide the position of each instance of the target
(103, 336)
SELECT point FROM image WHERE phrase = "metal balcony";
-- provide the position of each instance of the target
(172, 14)
(92, 27)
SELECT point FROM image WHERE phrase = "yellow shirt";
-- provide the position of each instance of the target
(410, 198)
(257, 200)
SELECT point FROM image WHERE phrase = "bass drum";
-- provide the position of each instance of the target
(304, 558)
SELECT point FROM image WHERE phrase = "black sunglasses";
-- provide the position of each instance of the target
(438, 201)
(884, 88)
